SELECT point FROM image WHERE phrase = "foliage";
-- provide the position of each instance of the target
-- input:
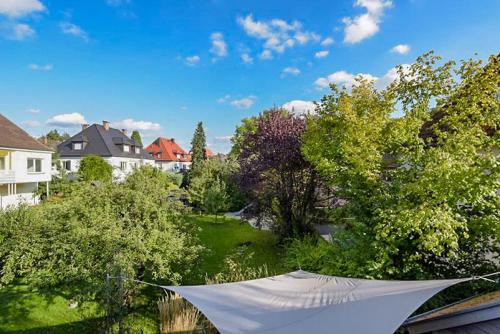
(420, 189)
(129, 228)
(248, 125)
(136, 136)
(212, 188)
(95, 168)
(175, 178)
(198, 144)
(54, 135)
(275, 174)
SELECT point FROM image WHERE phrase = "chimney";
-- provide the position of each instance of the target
(172, 140)
(84, 126)
(124, 131)
(105, 124)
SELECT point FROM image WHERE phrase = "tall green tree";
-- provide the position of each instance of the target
(95, 168)
(420, 190)
(198, 145)
(136, 136)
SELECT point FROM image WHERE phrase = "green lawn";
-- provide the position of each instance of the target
(23, 310)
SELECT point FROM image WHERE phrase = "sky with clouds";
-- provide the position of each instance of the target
(162, 66)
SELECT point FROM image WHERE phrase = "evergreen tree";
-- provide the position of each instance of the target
(198, 144)
(136, 136)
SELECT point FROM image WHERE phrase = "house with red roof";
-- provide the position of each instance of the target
(168, 155)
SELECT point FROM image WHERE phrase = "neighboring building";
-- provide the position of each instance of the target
(168, 155)
(24, 163)
(474, 315)
(119, 150)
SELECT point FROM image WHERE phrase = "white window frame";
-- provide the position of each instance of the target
(123, 166)
(66, 164)
(137, 150)
(36, 165)
(78, 146)
(126, 148)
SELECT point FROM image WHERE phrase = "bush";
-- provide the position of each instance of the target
(95, 168)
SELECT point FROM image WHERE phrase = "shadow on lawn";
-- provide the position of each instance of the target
(83, 326)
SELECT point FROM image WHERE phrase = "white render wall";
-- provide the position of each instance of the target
(115, 162)
(172, 166)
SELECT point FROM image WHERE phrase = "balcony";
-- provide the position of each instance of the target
(7, 176)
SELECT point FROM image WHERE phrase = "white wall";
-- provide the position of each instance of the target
(115, 162)
(172, 166)
(17, 161)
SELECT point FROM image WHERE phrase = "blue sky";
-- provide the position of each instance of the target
(162, 66)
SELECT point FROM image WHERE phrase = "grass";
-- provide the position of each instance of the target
(24, 310)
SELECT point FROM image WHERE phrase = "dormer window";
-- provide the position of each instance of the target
(126, 148)
(137, 150)
(78, 146)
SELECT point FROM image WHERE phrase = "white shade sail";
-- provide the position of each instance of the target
(301, 302)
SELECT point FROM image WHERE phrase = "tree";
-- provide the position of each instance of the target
(136, 136)
(420, 190)
(198, 144)
(130, 229)
(95, 168)
(54, 135)
(276, 175)
(215, 198)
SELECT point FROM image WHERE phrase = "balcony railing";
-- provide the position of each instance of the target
(7, 176)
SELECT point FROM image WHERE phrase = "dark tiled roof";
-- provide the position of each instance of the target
(102, 142)
(12, 136)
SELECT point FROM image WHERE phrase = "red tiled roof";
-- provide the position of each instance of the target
(164, 149)
(209, 153)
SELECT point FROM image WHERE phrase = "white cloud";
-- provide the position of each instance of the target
(300, 107)
(41, 68)
(67, 120)
(367, 24)
(247, 59)
(16, 31)
(19, 8)
(192, 60)
(131, 124)
(277, 35)
(34, 110)
(240, 103)
(266, 55)
(346, 79)
(31, 123)
(327, 41)
(401, 49)
(72, 29)
(224, 138)
(219, 46)
(290, 71)
(321, 54)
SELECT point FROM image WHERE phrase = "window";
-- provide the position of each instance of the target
(137, 150)
(134, 165)
(2, 163)
(126, 148)
(78, 146)
(123, 166)
(34, 165)
(67, 165)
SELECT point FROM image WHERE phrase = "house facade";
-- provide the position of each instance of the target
(24, 164)
(119, 150)
(168, 155)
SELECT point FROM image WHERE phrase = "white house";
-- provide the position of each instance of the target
(169, 156)
(119, 150)
(24, 163)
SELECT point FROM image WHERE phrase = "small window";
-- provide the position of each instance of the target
(137, 150)
(2, 163)
(34, 165)
(126, 148)
(78, 146)
(123, 166)
(67, 165)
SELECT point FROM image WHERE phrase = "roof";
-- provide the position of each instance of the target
(209, 153)
(164, 149)
(101, 142)
(12, 136)
(462, 306)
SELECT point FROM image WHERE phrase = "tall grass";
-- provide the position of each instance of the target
(177, 315)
